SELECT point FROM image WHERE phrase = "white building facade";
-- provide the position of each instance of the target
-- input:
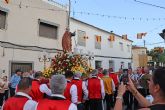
(107, 54)
(27, 28)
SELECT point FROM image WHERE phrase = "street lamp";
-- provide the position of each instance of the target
(44, 58)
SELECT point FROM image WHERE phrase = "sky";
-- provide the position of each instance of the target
(152, 18)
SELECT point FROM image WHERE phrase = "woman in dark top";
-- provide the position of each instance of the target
(156, 89)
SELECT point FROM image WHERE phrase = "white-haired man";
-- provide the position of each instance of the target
(81, 89)
(56, 101)
(96, 91)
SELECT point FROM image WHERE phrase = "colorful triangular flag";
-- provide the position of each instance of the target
(111, 38)
(139, 35)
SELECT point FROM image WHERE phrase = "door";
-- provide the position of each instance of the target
(25, 67)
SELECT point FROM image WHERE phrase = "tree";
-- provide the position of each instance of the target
(158, 55)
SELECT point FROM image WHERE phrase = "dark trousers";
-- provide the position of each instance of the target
(12, 92)
(1, 98)
(95, 104)
(86, 105)
(143, 93)
(128, 100)
(80, 106)
(109, 101)
(6, 94)
(115, 95)
(147, 92)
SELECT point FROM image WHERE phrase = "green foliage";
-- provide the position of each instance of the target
(157, 56)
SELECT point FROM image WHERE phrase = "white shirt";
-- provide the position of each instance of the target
(73, 93)
(84, 88)
(44, 89)
(30, 104)
(113, 86)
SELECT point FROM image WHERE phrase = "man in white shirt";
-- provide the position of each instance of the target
(82, 91)
(96, 91)
(56, 101)
(38, 89)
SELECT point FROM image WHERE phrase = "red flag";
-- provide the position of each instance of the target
(98, 38)
(111, 38)
(144, 34)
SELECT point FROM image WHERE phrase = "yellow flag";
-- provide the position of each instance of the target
(111, 38)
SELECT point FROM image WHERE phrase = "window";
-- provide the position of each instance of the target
(3, 19)
(97, 42)
(25, 67)
(98, 64)
(129, 66)
(121, 46)
(111, 64)
(81, 38)
(47, 30)
(128, 48)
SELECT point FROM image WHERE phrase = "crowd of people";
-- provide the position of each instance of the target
(102, 89)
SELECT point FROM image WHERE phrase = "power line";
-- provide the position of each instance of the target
(120, 17)
(155, 43)
(153, 5)
(94, 14)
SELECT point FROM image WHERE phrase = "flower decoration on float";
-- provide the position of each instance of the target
(64, 61)
(47, 72)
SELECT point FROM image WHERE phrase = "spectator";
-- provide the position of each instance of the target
(119, 98)
(6, 87)
(156, 89)
(14, 81)
(2, 91)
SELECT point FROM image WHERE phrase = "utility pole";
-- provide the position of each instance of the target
(69, 15)
(144, 43)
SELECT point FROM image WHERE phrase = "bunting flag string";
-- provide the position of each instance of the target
(95, 14)
(120, 17)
